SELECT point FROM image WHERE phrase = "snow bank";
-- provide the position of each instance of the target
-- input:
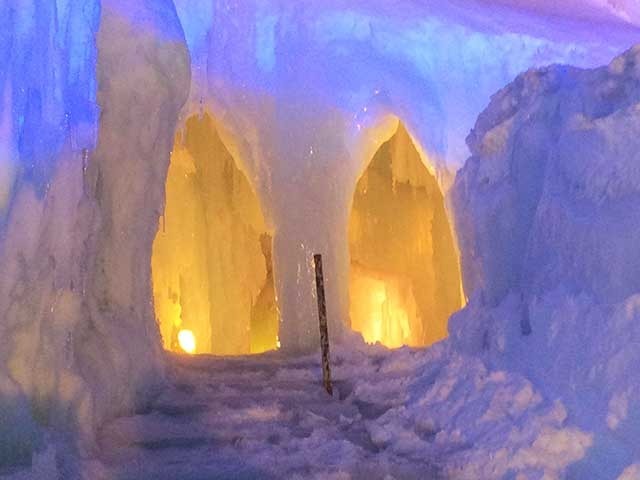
(548, 221)
(548, 195)
(472, 421)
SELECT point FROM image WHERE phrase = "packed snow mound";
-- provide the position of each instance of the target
(548, 220)
(477, 422)
(547, 197)
(578, 352)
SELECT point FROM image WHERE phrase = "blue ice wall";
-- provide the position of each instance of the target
(48, 76)
(435, 66)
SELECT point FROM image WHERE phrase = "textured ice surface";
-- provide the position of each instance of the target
(434, 65)
(48, 85)
(78, 342)
(211, 265)
(547, 211)
(304, 93)
(547, 198)
(47, 106)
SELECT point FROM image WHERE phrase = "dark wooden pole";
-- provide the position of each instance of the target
(324, 328)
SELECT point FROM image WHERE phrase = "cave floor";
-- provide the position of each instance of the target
(265, 417)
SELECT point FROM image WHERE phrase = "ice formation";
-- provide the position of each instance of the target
(123, 123)
(212, 254)
(554, 246)
(89, 128)
(321, 87)
(405, 278)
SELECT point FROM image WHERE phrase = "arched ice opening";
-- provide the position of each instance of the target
(211, 265)
(404, 272)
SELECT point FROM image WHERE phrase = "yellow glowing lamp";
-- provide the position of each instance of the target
(187, 341)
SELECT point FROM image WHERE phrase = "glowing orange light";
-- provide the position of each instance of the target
(381, 309)
(404, 278)
(187, 341)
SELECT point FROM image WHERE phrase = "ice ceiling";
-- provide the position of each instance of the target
(105, 104)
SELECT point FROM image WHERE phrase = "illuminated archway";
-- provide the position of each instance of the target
(405, 275)
(211, 263)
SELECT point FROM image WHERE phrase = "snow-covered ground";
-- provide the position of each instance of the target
(402, 414)
(263, 417)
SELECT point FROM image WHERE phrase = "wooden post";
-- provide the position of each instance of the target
(85, 166)
(324, 328)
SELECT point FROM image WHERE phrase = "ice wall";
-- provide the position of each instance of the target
(548, 225)
(405, 276)
(47, 80)
(48, 113)
(81, 197)
(306, 90)
(211, 258)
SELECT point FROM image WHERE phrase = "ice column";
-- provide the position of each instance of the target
(308, 196)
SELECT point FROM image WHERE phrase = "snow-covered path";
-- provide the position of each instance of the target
(404, 414)
(264, 417)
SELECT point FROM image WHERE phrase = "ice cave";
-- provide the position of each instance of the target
(404, 279)
(211, 260)
(468, 171)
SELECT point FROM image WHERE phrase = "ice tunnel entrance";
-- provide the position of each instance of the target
(405, 277)
(211, 263)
